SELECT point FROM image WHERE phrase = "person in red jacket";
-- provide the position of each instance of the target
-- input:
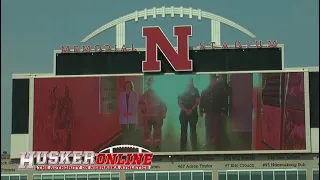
(154, 111)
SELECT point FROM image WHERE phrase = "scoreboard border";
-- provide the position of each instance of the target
(307, 114)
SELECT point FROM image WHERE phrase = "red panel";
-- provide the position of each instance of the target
(295, 91)
(242, 94)
(271, 126)
(294, 130)
(257, 127)
(294, 135)
(89, 130)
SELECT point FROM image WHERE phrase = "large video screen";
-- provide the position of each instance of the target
(171, 113)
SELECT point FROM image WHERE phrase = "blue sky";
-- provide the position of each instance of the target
(31, 30)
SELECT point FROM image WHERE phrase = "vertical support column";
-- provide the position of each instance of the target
(120, 34)
(122, 175)
(215, 32)
(31, 110)
(215, 174)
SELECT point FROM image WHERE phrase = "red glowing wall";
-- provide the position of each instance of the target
(89, 125)
(256, 124)
(283, 126)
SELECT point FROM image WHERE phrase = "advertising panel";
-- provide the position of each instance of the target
(207, 113)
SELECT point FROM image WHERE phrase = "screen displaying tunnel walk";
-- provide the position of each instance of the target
(171, 113)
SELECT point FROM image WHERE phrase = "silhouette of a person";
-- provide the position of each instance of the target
(62, 118)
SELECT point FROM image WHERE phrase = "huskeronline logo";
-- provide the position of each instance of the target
(87, 160)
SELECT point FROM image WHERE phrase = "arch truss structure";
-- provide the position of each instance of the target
(146, 14)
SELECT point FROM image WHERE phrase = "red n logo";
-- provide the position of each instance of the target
(179, 60)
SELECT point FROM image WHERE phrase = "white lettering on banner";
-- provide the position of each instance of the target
(42, 157)
(203, 46)
(88, 157)
(26, 158)
(77, 157)
(61, 159)
(52, 158)
(64, 157)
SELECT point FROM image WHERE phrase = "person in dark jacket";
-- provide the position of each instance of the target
(222, 82)
(188, 102)
(225, 95)
(211, 104)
